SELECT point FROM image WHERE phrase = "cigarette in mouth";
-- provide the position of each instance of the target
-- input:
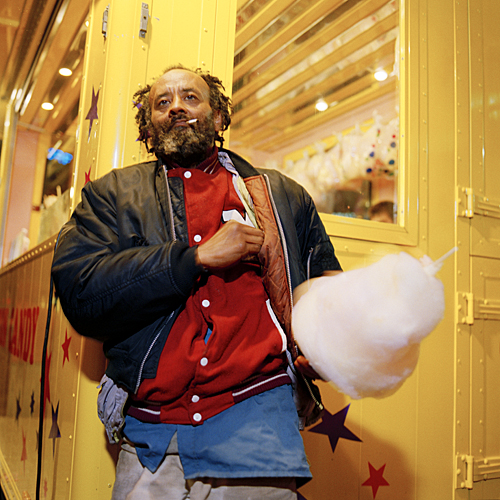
(194, 120)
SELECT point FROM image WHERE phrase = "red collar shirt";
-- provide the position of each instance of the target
(226, 343)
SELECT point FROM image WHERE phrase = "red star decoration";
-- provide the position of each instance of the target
(87, 175)
(92, 114)
(24, 453)
(376, 479)
(65, 347)
(45, 488)
(334, 427)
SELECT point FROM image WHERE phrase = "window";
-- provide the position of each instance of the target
(316, 95)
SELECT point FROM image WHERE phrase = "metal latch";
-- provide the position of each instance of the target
(465, 202)
(465, 471)
(471, 470)
(105, 21)
(144, 20)
(465, 308)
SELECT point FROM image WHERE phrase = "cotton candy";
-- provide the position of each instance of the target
(361, 329)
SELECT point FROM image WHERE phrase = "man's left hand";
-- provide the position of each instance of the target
(303, 366)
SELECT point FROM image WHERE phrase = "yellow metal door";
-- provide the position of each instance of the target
(478, 236)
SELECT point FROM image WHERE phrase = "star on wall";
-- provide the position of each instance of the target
(333, 426)
(376, 479)
(92, 114)
(18, 409)
(24, 453)
(65, 347)
(87, 175)
(54, 430)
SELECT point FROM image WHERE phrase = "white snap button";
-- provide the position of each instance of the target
(205, 303)
(197, 238)
(195, 398)
(196, 417)
(187, 174)
(204, 362)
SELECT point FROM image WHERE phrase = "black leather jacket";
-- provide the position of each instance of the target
(123, 269)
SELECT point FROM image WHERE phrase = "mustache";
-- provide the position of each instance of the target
(171, 123)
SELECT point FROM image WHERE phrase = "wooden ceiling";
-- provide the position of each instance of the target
(37, 38)
(291, 53)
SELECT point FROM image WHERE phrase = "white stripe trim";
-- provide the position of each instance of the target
(276, 324)
(147, 410)
(259, 384)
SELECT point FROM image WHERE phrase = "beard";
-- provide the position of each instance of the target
(185, 146)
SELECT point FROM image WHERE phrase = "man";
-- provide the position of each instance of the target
(185, 268)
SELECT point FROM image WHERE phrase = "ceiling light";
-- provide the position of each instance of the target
(321, 105)
(380, 75)
(65, 72)
(48, 106)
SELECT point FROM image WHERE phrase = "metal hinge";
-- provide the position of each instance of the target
(465, 308)
(487, 309)
(470, 470)
(105, 21)
(144, 20)
(470, 308)
(470, 203)
(484, 205)
(465, 202)
(487, 468)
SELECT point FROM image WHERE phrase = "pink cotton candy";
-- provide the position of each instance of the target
(361, 330)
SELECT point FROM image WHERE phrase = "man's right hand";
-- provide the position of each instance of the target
(232, 243)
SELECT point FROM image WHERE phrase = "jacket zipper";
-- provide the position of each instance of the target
(287, 265)
(170, 210)
(139, 377)
(311, 250)
(172, 234)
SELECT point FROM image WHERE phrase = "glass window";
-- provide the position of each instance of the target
(45, 111)
(316, 96)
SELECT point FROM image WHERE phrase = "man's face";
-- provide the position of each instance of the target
(177, 97)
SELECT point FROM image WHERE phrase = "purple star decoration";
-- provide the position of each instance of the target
(54, 431)
(92, 114)
(18, 409)
(333, 426)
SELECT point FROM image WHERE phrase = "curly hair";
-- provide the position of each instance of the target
(218, 102)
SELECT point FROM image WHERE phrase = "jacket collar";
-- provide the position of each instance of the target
(242, 166)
